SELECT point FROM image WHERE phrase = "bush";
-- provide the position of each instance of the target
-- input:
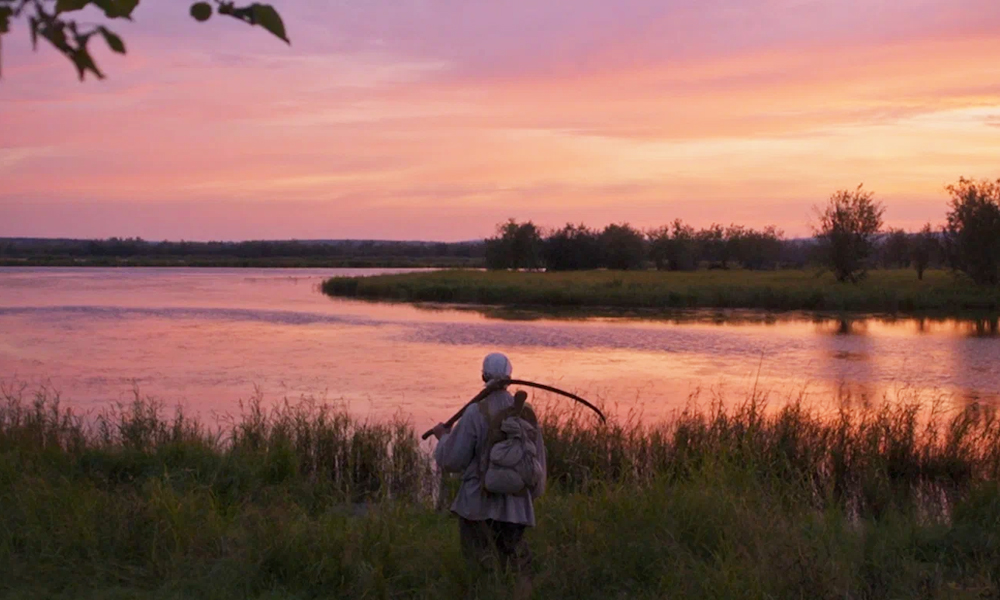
(973, 233)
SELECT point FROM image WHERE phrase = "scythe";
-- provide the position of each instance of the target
(500, 383)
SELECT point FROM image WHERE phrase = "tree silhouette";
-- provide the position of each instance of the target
(925, 248)
(623, 247)
(516, 246)
(54, 21)
(896, 249)
(572, 248)
(973, 231)
(848, 228)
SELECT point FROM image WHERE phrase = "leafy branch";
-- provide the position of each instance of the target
(52, 21)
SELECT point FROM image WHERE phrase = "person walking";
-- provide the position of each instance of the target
(497, 446)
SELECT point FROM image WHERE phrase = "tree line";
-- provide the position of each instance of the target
(335, 249)
(850, 237)
(675, 247)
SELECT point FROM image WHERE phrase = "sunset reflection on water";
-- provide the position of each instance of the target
(206, 338)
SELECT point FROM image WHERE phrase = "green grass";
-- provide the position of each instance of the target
(886, 291)
(306, 502)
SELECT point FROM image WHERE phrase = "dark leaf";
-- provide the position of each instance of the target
(114, 42)
(125, 8)
(268, 18)
(108, 6)
(83, 61)
(70, 5)
(201, 11)
(34, 33)
(56, 35)
(5, 14)
(244, 14)
(117, 9)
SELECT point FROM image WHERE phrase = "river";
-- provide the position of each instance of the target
(207, 338)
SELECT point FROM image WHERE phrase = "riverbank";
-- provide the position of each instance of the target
(883, 291)
(305, 501)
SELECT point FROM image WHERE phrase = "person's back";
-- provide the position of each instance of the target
(490, 525)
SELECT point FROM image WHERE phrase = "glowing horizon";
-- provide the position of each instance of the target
(389, 120)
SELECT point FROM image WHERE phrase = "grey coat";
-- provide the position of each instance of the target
(459, 452)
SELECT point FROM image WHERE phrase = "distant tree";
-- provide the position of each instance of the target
(896, 249)
(673, 247)
(516, 246)
(848, 229)
(925, 248)
(623, 247)
(47, 19)
(712, 246)
(658, 244)
(800, 253)
(682, 252)
(572, 248)
(972, 234)
(755, 249)
(736, 237)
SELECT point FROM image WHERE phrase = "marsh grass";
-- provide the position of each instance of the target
(304, 501)
(888, 291)
(315, 448)
(899, 456)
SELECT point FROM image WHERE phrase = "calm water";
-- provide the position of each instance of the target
(206, 338)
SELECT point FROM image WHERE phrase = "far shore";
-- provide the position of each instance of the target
(237, 262)
(885, 291)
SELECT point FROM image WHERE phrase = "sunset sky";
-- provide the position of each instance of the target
(435, 119)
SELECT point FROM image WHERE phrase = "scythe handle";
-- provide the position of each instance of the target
(500, 383)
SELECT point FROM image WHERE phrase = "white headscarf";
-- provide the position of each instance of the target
(496, 366)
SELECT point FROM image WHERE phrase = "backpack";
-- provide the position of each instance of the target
(509, 463)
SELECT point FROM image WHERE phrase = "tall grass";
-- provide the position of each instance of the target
(303, 501)
(900, 456)
(315, 449)
(882, 291)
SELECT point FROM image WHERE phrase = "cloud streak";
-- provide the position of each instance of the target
(435, 119)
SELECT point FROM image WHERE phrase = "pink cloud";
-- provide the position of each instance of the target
(435, 120)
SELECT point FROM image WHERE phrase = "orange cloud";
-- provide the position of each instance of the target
(756, 135)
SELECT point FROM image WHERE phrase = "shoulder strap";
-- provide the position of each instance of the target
(528, 414)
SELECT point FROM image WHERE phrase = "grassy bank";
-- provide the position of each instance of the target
(883, 291)
(305, 502)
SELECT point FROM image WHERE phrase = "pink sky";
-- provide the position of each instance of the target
(435, 119)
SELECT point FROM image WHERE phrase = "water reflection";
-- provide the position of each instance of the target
(206, 338)
(825, 323)
(982, 327)
(843, 326)
(849, 361)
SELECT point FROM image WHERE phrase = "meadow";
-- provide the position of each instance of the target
(883, 291)
(301, 500)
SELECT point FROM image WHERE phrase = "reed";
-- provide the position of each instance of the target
(899, 455)
(302, 500)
